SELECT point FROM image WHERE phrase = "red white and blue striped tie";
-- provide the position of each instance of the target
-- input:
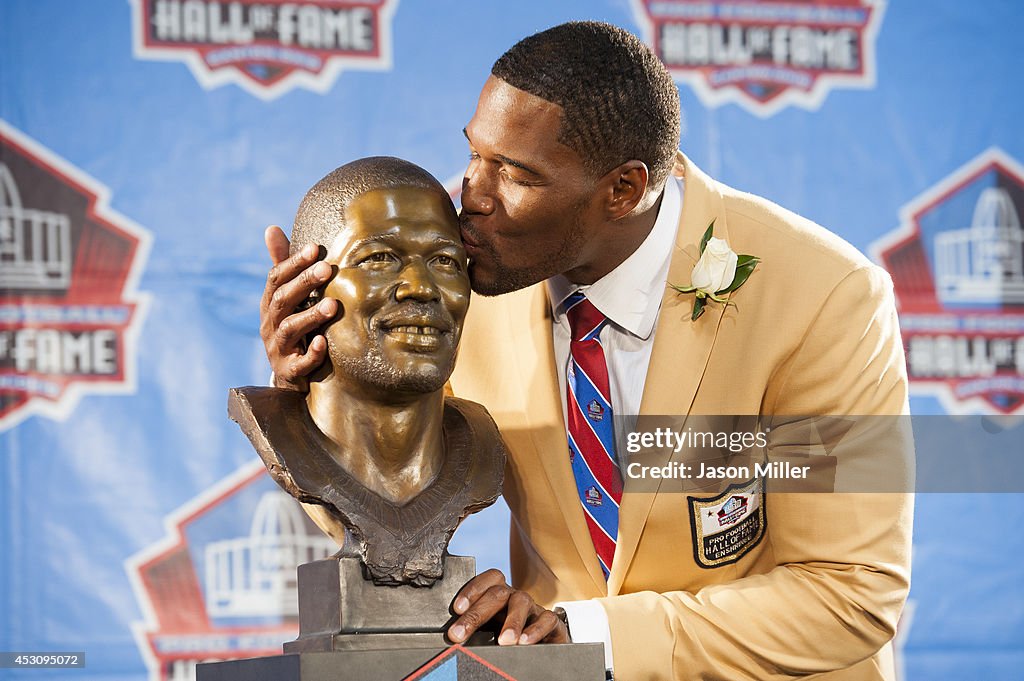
(590, 430)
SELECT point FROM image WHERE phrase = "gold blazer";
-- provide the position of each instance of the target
(813, 332)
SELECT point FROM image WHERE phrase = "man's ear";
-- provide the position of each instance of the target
(624, 186)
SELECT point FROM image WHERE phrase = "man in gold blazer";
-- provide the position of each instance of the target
(575, 185)
(813, 331)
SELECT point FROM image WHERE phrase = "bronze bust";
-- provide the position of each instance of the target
(375, 450)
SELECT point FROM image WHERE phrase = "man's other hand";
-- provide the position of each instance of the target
(487, 596)
(282, 328)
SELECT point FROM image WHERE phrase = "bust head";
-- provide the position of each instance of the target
(400, 276)
(375, 431)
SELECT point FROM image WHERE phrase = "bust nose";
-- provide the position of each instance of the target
(416, 283)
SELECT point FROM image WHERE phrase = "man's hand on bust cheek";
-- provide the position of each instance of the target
(291, 280)
(485, 597)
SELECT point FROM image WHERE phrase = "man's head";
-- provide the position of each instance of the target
(577, 126)
(392, 236)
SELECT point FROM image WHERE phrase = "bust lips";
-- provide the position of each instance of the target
(419, 332)
(416, 338)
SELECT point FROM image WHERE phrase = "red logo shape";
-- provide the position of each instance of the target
(457, 662)
(957, 264)
(764, 54)
(221, 584)
(267, 47)
(69, 265)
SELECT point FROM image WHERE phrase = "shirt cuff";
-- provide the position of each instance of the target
(588, 623)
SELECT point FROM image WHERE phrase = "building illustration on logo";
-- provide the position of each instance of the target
(255, 574)
(733, 510)
(35, 245)
(957, 264)
(764, 55)
(267, 47)
(983, 263)
(69, 267)
(221, 584)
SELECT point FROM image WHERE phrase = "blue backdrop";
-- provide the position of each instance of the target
(148, 152)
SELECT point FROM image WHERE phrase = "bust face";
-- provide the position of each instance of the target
(401, 278)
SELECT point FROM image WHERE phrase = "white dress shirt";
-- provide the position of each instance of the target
(630, 297)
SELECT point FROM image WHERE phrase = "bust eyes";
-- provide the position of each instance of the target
(380, 257)
(449, 262)
(386, 260)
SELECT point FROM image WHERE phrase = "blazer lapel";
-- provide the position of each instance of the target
(547, 427)
(682, 349)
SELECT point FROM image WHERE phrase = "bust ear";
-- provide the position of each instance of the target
(624, 186)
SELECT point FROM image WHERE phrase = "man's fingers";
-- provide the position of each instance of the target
(520, 607)
(488, 594)
(289, 282)
(300, 366)
(546, 627)
(475, 588)
(277, 244)
(291, 292)
(287, 269)
(294, 327)
(489, 604)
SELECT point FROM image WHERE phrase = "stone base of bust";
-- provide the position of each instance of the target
(547, 662)
(352, 629)
(339, 609)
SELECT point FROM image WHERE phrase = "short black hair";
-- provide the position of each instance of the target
(321, 215)
(619, 102)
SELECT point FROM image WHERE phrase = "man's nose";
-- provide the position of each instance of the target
(416, 283)
(477, 194)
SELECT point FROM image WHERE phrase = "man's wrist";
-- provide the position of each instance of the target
(588, 623)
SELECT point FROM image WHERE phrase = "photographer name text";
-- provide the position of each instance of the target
(700, 471)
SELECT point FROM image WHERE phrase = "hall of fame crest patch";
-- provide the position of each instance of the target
(764, 55)
(729, 525)
(267, 47)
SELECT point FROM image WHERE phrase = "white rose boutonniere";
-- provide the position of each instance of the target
(718, 271)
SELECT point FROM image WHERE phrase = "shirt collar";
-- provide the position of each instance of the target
(630, 295)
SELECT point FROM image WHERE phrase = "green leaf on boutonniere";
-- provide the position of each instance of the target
(698, 308)
(745, 264)
(707, 237)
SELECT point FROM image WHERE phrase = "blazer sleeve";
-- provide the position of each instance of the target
(842, 559)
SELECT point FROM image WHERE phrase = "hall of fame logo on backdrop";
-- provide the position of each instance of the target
(221, 584)
(69, 265)
(957, 264)
(267, 47)
(764, 55)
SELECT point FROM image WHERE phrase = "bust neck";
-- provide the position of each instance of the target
(393, 445)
